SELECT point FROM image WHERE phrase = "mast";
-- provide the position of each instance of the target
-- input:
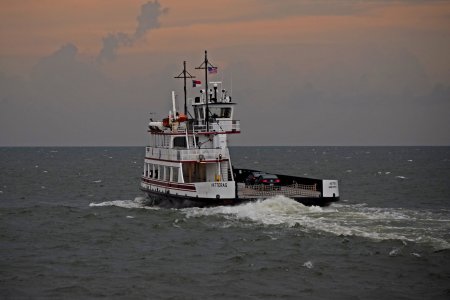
(206, 91)
(185, 74)
(205, 66)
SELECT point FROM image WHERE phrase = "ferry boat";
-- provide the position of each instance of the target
(188, 164)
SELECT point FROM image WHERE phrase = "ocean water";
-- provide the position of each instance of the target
(74, 225)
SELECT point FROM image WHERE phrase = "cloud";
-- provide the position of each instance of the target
(328, 85)
(62, 74)
(111, 43)
(67, 52)
(358, 96)
(66, 95)
(341, 95)
(148, 19)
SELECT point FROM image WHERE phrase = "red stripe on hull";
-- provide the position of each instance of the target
(172, 185)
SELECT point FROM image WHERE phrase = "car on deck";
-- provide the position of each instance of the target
(251, 178)
(269, 180)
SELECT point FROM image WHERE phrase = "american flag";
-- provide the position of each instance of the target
(212, 70)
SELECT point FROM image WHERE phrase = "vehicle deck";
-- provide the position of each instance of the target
(263, 191)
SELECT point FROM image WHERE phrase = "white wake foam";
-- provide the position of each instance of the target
(308, 264)
(272, 211)
(138, 202)
(359, 220)
(338, 219)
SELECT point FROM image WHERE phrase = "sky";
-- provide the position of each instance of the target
(303, 72)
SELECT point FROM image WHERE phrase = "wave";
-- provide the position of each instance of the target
(338, 219)
(359, 220)
(138, 202)
(271, 211)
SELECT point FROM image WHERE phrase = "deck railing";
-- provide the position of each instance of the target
(220, 126)
(264, 191)
(186, 154)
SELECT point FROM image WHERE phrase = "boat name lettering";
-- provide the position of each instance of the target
(219, 184)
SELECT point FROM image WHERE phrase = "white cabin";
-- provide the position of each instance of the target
(190, 157)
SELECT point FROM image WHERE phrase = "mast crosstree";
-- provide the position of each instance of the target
(185, 74)
(205, 65)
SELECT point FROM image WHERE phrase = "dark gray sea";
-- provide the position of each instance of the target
(73, 225)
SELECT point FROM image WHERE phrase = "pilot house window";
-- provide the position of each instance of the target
(179, 142)
(223, 112)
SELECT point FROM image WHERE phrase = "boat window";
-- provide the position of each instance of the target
(148, 170)
(220, 112)
(186, 172)
(179, 142)
(166, 173)
(196, 113)
(174, 174)
(194, 172)
(214, 112)
(225, 112)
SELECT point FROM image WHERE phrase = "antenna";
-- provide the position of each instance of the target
(231, 88)
(185, 74)
(205, 65)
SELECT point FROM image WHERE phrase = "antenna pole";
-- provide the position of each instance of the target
(185, 96)
(205, 66)
(206, 91)
(185, 74)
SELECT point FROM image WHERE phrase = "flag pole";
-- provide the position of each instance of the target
(206, 91)
(205, 65)
(185, 96)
